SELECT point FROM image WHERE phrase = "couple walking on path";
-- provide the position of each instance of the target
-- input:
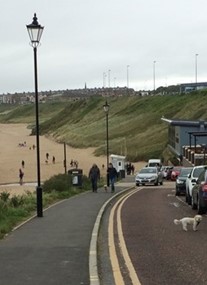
(94, 176)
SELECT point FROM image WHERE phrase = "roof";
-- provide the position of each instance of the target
(117, 156)
(198, 134)
(186, 123)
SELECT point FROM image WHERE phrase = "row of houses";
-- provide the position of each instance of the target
(43, 96)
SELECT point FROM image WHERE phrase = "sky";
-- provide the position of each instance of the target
(110, 43)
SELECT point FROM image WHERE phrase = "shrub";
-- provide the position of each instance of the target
(60, 183)
(4, 196)
(16, 201)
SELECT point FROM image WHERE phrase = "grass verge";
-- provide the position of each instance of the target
(16, 209)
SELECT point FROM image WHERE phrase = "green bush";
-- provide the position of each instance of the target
(15, 209)
(16, 201)
(60, 183)
(4, 196)
(63, 183)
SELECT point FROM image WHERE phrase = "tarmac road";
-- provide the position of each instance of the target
(161, 252)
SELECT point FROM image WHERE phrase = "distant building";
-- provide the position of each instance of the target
(189, 87)
(184, 133)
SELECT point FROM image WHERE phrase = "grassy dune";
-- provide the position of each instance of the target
(135, 126)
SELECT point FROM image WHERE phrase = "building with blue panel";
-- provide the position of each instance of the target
(186, 133)
(189, 87)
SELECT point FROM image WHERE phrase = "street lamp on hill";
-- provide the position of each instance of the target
(154, 75)
(106, 110)
(35, 32)
(196, 69)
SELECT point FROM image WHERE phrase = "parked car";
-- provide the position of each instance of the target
(149, 175)
(191, 181)
(175, 172)
(166, 171)
(180, 186)
(199, 194)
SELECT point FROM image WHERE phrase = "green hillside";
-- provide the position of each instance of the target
(135, 126)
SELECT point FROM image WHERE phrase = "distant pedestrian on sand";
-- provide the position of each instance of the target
(23, 163)
(53, 159)
(94, 176)
(21, 175)
(47, 156)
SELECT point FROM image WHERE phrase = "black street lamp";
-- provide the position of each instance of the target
(106, 110)
(35, 32)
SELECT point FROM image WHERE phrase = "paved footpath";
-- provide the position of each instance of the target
(55, 249)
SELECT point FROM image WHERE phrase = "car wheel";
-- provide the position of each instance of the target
(161, 182)
(143, 184)
(193, 205)
(156, 183)
(177, 193)
(186, 196)
(137, 184)
(201, 209)
(189, 200)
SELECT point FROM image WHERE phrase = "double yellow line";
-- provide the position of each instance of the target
(118, 277)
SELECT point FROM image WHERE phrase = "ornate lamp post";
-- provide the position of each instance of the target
(35, 32)
(106, 110)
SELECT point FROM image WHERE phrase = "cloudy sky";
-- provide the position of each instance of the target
(99, 42)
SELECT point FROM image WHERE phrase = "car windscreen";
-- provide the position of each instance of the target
(197, 171)
(148, 170)
(185, 171)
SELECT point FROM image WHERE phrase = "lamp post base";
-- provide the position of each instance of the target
(107, 180)
(39, 201)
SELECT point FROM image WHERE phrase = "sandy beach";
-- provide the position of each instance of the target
(16, 145)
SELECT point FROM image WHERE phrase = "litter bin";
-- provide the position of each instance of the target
(122, 173)
(76, 176)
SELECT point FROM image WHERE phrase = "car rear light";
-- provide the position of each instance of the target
(204, 187)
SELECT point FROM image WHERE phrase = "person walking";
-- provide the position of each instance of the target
(21, 175)
(94, 176)
(112, 174)
(23, 163)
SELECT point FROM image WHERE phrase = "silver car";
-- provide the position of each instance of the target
(149, 175)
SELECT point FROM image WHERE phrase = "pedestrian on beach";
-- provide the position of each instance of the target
(112, 174)
(21, 175)
(94, 176)
(23, 163)
(53, 159)
(47, 156)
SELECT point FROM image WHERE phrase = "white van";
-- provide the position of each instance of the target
(154, 162)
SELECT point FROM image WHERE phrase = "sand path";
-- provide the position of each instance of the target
(12, 154)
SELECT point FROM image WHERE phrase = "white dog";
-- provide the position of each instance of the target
(189, 221)
(105, 188)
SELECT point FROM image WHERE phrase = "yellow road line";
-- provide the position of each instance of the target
(132, 272)
(112, 250)
(118, 278)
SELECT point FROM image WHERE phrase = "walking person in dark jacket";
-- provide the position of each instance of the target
(94, 176)
(112, 173)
